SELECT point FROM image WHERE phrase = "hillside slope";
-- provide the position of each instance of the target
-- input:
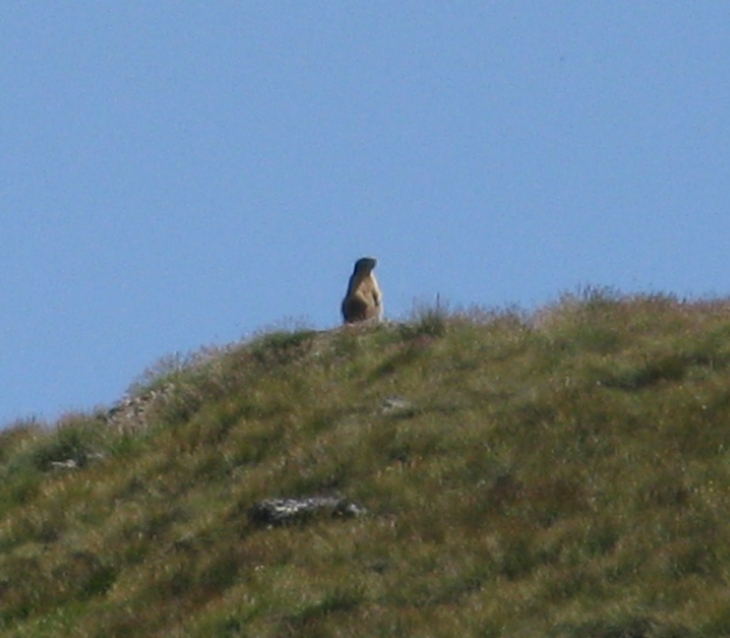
(565, 474)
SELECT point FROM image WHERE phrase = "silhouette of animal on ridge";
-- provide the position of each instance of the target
(363, 301)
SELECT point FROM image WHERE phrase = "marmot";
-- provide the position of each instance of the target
(363, 300)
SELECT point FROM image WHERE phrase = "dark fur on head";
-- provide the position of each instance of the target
(365, 265)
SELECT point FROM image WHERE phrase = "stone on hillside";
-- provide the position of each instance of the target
(284, 511)
(397, 405)
(131, 412)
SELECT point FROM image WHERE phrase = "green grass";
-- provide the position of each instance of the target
(562, 474)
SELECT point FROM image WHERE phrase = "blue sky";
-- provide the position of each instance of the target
(182, 174)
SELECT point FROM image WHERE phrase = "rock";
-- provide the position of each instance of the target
(80, 461)
(131, 412)
(396, 404)
(69, 464)
(284, 511)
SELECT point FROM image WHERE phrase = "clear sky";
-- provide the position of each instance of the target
(182, 174)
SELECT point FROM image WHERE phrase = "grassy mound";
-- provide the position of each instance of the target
(564, 474)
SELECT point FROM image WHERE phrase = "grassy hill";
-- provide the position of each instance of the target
(564, 474)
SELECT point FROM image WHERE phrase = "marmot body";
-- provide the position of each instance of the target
(363, 300)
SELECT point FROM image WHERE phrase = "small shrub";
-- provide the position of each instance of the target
(278, 348)
(427, 321)
(75, 441)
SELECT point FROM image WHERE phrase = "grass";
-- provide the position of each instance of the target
(561, 474)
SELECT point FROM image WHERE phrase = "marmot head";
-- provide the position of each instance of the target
(364, 266)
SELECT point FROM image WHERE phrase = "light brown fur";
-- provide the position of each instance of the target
(363, 300)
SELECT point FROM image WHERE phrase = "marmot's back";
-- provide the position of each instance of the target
(363, 300)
